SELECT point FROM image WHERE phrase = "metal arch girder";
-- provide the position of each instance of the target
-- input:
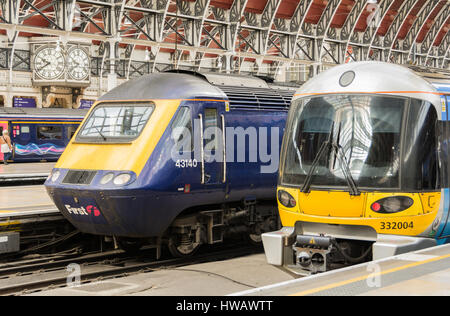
(120, 17)
(267, 21)
(439, 22)
(327, 17)
(87, 18)
(446, 58)
(201, 9)
(207, 41)
(163, 7)
(370, 34)
(236, 13)
(69, 8)
(11, 8)
(27, 8)
(418, 24)
(297, 22)
(4, 8)
(394, 29)
(324, 24)
(258, 38)
(350, 23)
(441, 51)
(445, 45)
(349, 27)
(39, 11)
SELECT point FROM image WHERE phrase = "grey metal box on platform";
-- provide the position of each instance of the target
(9, 242)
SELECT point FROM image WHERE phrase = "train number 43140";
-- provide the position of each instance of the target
(186, 163)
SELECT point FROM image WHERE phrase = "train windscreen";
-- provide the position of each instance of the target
(334, 137)
(115, 122)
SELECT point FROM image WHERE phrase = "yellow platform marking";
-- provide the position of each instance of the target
(370, 275)
(10, 223)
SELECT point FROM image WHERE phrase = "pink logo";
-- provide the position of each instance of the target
(91, 208)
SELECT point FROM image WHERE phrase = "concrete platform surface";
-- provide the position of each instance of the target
(419, 273)
(206, 279)
(20, 200)
(24, 170)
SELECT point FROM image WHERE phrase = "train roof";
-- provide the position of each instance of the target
(371, 77)
(43, 112)
(242, 92)
(164, 86)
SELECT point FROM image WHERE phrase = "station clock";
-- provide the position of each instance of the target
(78, 63)
(49, 63)
(66, 65)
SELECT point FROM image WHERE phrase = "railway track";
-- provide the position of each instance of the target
(25, 277)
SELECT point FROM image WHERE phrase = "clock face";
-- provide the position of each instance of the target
(49, 63)
(78, 64)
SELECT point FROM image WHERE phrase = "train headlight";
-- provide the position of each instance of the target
(122, 179)
(286, 199)
(55, 175)
(107, 178)
(392, 204)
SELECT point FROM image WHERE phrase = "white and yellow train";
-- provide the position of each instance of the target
(363, 168)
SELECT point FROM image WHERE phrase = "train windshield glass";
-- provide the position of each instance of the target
(359, 132)
(114, 122)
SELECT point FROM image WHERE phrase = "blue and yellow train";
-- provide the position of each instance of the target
(364, 167)
(39, 134)
(149, 161)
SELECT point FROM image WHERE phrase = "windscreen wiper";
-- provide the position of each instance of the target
(339, 153)
(323, 148)
(101, 134)
(354, 191)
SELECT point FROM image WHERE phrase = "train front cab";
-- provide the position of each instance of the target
(146, 156)
(390, 197)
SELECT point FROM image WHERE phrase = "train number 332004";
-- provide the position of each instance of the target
(396, 225)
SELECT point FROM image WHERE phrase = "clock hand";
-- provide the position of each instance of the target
(46, 64)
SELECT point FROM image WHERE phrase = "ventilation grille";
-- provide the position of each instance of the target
(258, 98)
(79, 177)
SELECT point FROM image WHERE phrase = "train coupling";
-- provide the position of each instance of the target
(296, 253)
(311, 253)
(310, 248)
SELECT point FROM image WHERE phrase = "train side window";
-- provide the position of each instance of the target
(25, 129)
(71, 131)
(211, 123)
(182, 129)
(421, 163)
(49, 132)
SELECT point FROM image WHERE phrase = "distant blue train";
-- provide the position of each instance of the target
(148, 161)
(39, 134)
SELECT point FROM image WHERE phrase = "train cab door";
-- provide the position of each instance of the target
(213, 164)
(444, 229)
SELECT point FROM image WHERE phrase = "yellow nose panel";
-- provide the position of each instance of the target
(335, 204)
(130, 156)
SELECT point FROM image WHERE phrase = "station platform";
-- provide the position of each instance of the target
(425, 272)
(14, 172)
(204, 279)
(26, 204)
